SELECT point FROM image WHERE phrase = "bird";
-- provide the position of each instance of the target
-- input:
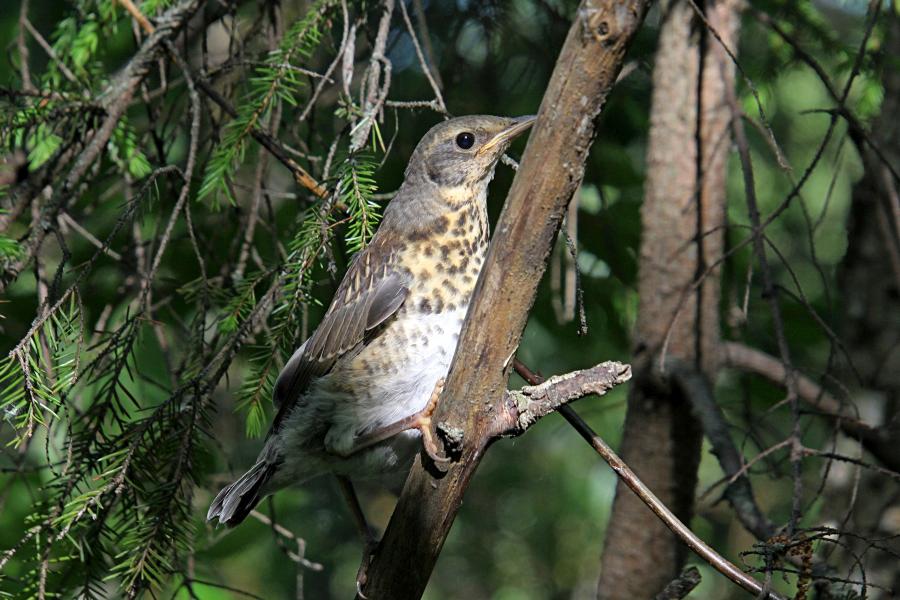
(356, 398)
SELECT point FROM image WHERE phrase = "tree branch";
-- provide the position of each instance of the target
(695, 387)
(877, 440)
(681, 586)
(526, 406)
(551, 170)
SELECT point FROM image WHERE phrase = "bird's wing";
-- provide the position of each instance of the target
(370, 293)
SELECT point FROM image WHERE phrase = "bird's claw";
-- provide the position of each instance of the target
(425, 425)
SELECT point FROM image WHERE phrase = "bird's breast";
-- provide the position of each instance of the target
(444, 264)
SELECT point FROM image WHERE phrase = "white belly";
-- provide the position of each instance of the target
(376, 398)
(405, 388)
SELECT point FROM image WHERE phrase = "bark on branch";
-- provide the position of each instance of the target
(526, 406)
(551, 170)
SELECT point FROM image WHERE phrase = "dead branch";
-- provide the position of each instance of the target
(375, 87)
(698, 546)
(438, 98)
(526, 406)
(696, 388)
(681, 586)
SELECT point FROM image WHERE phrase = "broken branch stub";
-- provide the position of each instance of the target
(526, 406)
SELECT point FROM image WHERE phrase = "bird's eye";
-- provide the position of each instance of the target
(465, 140)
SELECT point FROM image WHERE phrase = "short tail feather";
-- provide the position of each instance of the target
(235, 501)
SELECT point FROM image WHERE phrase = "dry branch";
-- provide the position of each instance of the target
(551, 170)
(526, 406)
(696, 388)
(681, 586)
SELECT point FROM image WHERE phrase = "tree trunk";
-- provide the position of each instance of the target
(682, 218)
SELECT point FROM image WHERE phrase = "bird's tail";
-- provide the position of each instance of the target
(235, 501)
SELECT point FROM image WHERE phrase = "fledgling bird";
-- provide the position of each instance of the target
(357, 396)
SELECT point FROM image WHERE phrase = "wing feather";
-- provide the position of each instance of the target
(386, 300)
(365, 299)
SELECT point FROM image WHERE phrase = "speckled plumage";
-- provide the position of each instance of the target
(392, 328)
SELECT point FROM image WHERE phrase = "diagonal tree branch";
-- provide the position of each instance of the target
(696, 388)
(551, 170)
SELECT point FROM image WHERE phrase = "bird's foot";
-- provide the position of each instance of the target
(425, 425)
(421, 421)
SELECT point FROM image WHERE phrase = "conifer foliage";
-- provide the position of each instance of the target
(147, 152)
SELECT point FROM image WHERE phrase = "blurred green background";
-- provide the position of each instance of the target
(532, 525)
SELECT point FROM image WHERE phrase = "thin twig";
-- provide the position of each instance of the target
(287, 534)
(427, 71)
(67, 73)
(876, 440)
(67, 219)
(378, 82)
(770, 293)
(426, 40)
(137, 15)
(752, 86)
(344, 54)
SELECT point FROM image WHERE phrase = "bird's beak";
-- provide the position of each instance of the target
(520, 125)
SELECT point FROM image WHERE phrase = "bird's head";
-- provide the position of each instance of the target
(459, 155)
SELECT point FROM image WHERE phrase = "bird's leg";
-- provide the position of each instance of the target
(366, 533)
(421, 421)
(362, 525)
